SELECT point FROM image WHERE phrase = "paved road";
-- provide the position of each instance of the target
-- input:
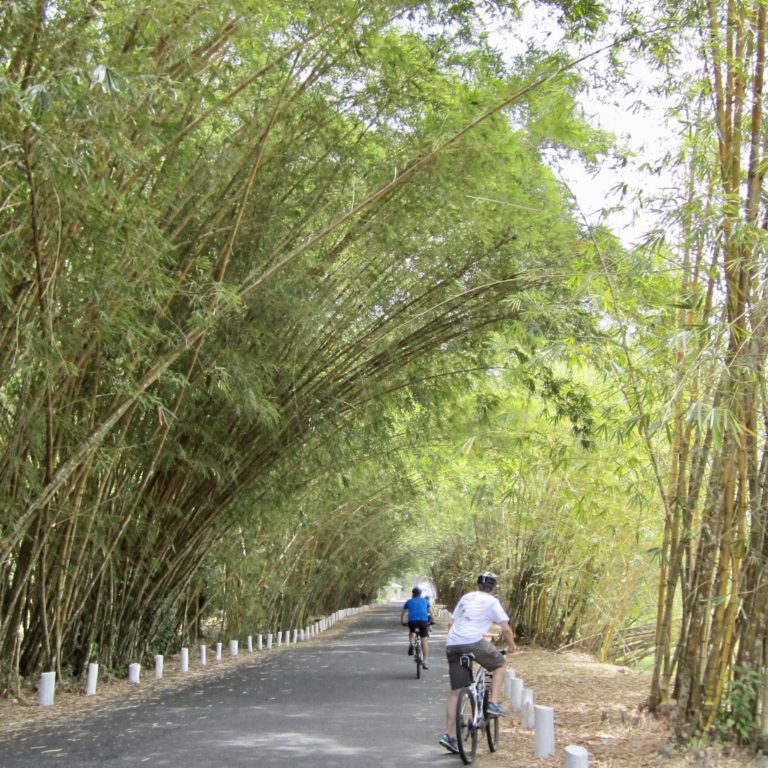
(350, 699)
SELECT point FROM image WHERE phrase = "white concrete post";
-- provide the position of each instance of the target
(234, 647)
(218, 651)
(295, 635)
(47, 688)
(508, 683)
(280, 637)
(260, 642)
(287, 636)
(516, 693)
(134, 673)
(544, 738)
(159, 666)
(526, 711)
(203, 654)
(92, 679)
(184, 660)
(269, 640)
(302, 637)
(576, 757)
(250, 644)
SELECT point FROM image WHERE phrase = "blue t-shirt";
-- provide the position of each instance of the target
(418, 609)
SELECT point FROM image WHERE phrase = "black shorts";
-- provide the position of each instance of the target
(486, 654)
(422, 627)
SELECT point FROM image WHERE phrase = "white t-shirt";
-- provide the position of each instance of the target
(473, 617)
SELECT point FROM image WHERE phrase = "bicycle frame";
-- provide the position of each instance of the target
(478, 685)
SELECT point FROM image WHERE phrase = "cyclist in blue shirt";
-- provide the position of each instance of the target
(419, 613)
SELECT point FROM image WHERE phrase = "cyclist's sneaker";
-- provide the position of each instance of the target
(496, 709)
(424, 666)
(410, 650)
(450, 743)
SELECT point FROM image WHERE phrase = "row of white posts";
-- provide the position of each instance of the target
(542, 721)
(48, 679)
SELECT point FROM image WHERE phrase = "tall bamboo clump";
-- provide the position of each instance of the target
(715, 546)
(225, 233)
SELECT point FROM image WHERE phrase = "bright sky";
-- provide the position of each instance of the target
(643, 131)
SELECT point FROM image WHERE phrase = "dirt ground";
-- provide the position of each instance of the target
(600, 707)
(597, 706)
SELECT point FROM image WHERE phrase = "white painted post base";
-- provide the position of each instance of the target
(516, 694)
(508, 678)
(544, 738)
(269, 641)
(295, 635)
(576, 757)
(250, 644)
(280, 637)
(526, 711)
(218, 651)
(234, 647)
(47, 688)
(134, 673)
(259, 642)
(92, 679)
(184, 663)
(159, 667)
(203, 655)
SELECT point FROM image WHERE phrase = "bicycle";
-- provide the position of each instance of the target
(472, 712)
(418, 652)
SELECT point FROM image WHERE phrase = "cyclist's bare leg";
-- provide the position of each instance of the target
(450, 712)
(497, 683)
(425, 649)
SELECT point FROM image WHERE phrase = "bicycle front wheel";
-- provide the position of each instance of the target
(466, 733)
(491, 726)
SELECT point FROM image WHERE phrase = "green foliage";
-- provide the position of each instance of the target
(512, 488)
(739, 715)
(226, 297)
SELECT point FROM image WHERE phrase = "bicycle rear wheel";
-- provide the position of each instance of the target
(466, 733)
(417, 658)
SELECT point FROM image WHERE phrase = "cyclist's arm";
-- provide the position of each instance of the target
(403, 614)
(508, 635)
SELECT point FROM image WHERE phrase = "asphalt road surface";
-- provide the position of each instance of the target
(346, 698)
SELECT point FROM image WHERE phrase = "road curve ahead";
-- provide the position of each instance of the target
(347, 699)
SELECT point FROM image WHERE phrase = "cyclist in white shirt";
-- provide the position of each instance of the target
(474, 615)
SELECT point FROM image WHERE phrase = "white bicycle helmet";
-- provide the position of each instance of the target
(488, 579)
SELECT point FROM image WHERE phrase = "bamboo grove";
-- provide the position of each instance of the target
(217, 258)
(291, 302)
(715, 549)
